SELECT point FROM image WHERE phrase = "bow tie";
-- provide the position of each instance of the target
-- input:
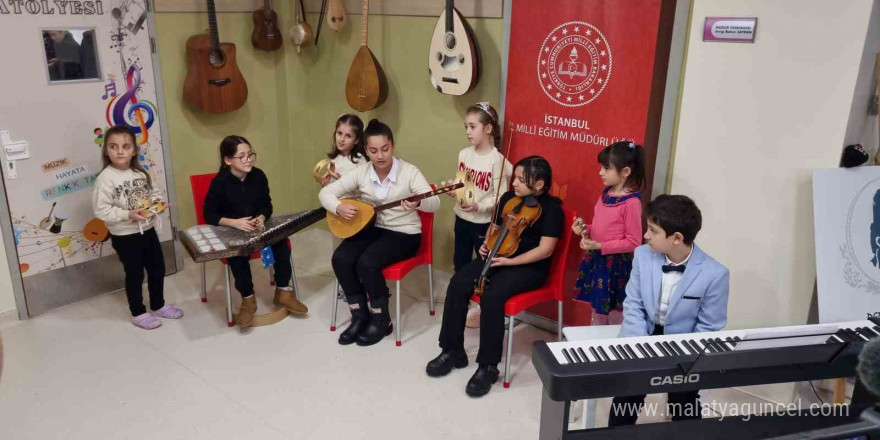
(673, 268)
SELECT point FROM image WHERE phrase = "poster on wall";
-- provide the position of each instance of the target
(582, 75)
(846, 205)
(81, 67)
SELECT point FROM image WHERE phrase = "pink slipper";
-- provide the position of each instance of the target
(168, 312)
(146, 321)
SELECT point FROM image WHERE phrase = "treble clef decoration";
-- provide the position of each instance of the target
(127, 110)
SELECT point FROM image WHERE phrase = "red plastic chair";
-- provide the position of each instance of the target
(396, 272)
(200, 183)
(552, 290)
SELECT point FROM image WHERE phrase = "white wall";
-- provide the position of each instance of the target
(7, 300)
(755, 120)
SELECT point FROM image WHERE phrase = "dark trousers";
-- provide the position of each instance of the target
(138, 253)
(359, 260)
(468, 239)
(241, 269)
(684, 405)
(504, 283)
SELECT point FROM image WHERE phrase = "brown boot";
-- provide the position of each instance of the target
(245, 315)
(288, 300)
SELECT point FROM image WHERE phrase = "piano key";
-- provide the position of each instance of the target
(876, 328)
(625, 353)
(583, 354)
(650, 350)
(575, 356)
(737, 339)
(713, 346)
(854, 335)
(669, 348)
(567, 356)
(730, 341)
(642, 349)
(707, 348)
(605, 356)
(696, 346)
(843, 335)
(871, 332)
(630, 351)
(861, 332)
(678, 348)
(615, 353)
(595, 354)
(721, 345)
(690, 350)
(661, 349)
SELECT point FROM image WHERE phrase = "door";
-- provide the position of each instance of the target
(75, 69)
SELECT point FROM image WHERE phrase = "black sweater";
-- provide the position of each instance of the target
(232, 198)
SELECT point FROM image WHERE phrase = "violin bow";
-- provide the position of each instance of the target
(512, 130)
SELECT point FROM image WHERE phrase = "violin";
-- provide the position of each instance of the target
(518, 214)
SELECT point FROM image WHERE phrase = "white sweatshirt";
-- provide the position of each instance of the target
(117, 192)
(406, 182)
(486, 170)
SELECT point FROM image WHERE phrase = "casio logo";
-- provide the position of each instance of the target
(674, 380)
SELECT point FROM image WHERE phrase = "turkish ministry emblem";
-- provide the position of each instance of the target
(574, 64)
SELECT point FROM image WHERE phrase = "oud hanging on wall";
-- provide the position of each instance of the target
(214, 84)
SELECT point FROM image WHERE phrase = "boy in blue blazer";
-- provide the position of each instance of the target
(674, 287)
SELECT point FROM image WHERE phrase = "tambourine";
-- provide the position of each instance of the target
(151, 207)
(323, 169)
(465, 195)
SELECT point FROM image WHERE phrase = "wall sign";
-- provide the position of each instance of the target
(730, 29)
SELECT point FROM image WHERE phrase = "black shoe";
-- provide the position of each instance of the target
(360, 319)
(443, 364)
(482, 380)
(379, 326)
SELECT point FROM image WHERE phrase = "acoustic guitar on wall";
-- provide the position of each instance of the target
(266, 35)
(214, 83)
(366, 87)
(336, 17)
(454, 57)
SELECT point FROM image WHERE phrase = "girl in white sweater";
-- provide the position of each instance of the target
(395, 236)
(122, 191)
(490, 171)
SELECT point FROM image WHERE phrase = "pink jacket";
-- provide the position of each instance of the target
(617, 226)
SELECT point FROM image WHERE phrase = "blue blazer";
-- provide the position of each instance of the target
(698, 304)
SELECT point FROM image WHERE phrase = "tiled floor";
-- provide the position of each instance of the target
(84, 372)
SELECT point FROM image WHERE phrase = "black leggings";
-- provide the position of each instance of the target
(138, 252)
(241, 269)
(468, 239)
(504, 283)
(359, 260)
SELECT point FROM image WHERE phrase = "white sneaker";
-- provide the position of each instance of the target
(473, 317)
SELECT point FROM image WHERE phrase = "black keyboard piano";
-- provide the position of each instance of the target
(589, 369)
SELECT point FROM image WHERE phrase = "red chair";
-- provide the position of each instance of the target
(552, 290)
(397, 271)
(200, 183)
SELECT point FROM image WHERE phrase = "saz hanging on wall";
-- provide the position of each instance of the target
(213, 82)
(366, 87)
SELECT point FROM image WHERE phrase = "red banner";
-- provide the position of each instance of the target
(583, 74)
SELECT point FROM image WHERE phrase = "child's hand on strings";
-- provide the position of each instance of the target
(243, 224)
(409, 206)
(347, 212)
